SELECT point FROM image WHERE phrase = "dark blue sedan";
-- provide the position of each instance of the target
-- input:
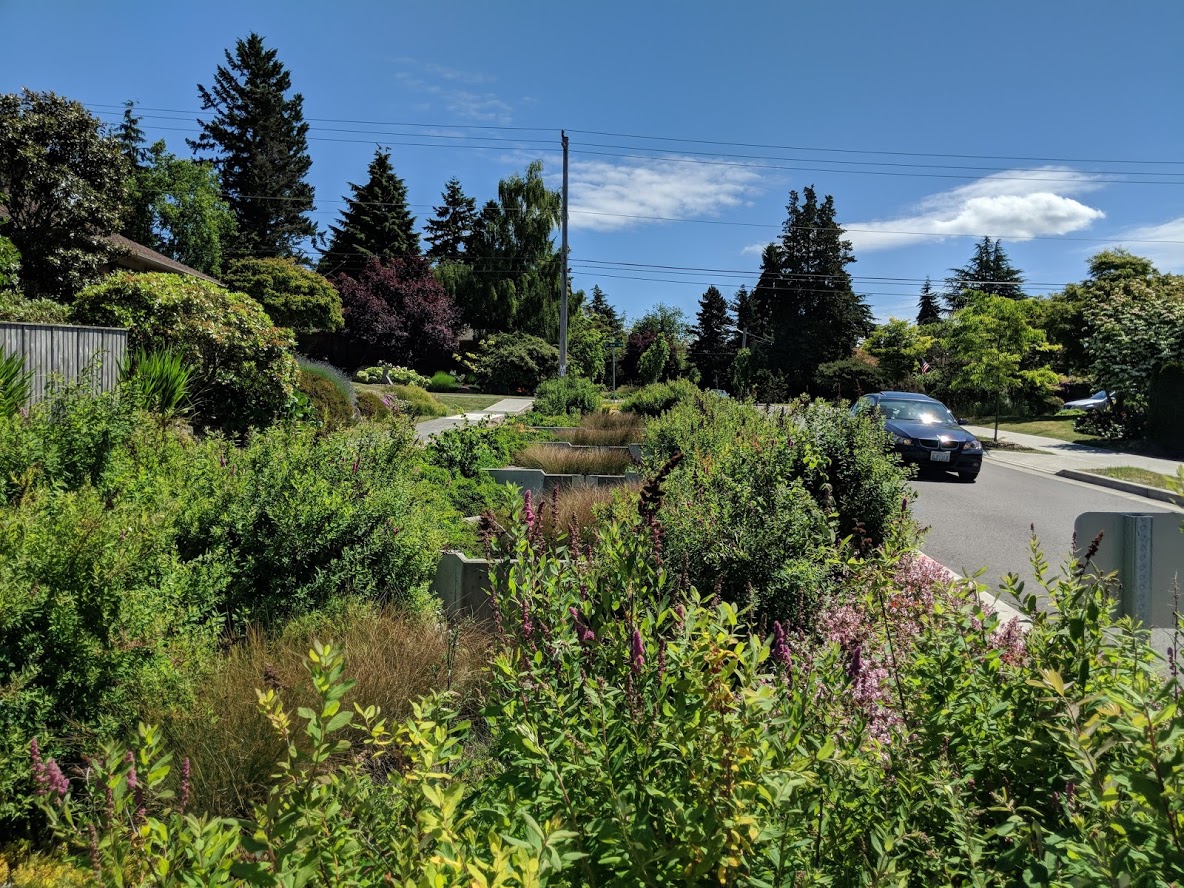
(925, 432)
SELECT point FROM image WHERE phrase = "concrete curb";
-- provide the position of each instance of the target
(1155, 493)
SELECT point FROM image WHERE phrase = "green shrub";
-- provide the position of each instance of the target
(301, 520)
(466, 449)
(656, 399)
(509, 363)
(847, 379)
(443, 382)
(568, 394)
(390, 374)
(15, 307)
(16, 383)
(244, 372)
(292, 296)
(332, 407)
(416, 402)
(370, 406)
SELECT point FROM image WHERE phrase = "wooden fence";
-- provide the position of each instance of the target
(50, 349)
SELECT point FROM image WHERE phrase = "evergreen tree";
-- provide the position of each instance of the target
(988, 271)
(712, 349)
(130, 136)
(928, 310)
(453, 224)
(764, 296)
(813, 315)
(376, 223)
(743, 310)
(259, 142)
(609, 317)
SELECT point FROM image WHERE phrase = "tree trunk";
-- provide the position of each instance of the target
(997, 397)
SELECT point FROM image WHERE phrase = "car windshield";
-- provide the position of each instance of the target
(1098, 396)
(928, 412)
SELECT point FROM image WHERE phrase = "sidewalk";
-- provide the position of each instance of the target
(495, 413)
(1073, 460)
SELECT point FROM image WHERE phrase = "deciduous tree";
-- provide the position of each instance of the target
(258, 139)
(292, 296)
(376, 223)
(61, 184)
(397, 310)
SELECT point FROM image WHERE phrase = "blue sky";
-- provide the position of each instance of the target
(1053, 125)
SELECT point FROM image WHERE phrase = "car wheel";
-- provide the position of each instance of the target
(967, 477)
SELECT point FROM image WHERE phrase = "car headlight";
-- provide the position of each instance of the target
(901, 440)
(972, 446)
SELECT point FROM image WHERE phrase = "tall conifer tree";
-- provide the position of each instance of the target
(259, 142)
(452, 225)
(599, 307)
(928, 310)
(711, 350)
(376, 223)
(988, 271)
(814, 316)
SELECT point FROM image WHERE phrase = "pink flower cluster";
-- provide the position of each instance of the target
(46, 774)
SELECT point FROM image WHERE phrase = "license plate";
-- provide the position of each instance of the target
(940, 456)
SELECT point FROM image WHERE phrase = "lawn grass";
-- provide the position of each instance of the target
(1059, 427)
(1136, 475)
(459, 402)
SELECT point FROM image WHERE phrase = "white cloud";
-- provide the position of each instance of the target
(1166, 256)
(483, 106)
(604, 195)
(756, 249)
(1015, 204)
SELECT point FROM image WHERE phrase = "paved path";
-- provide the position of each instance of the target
(494, 413)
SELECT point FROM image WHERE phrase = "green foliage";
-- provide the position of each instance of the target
(16, 383)
(900, 347)
(51, 148)
(653, 361)
(415, 401)
(848, 379)
(713, 350)
(656, 399)
(806, 312)
(371, 406)
(175, 206)
(442, 382)
(587, 346)
(259, 142)
(466, 449)
(568, 394)
(391, 375)
(160, 381)
(10, 266)
(15, 307)
(292, 296)
(332, 406)
(375, 224)
(449, 231)
(513, 265)
(988, 271)
(244, 371)
(509, 363)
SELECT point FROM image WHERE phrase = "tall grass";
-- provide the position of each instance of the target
(605, 429)
(583, 509)
(395, 658)
(565, 461)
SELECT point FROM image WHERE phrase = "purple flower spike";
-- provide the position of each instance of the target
(638, 651)
(528, 510)
(780, 648)
(583, 631)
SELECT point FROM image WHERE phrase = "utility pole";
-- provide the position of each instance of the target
(563, 282)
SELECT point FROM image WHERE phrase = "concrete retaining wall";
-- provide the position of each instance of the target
(538, 482)
(462, 584)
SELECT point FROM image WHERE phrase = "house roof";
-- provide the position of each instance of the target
(137, 257)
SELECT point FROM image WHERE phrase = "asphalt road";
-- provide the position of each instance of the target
(988, 523)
